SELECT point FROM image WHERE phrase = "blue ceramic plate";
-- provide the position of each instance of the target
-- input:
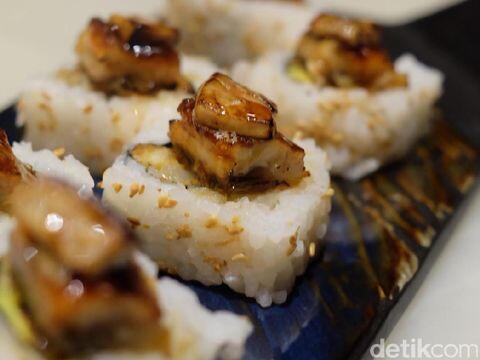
(382, 225)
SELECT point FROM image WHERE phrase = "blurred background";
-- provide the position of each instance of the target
(38, 36)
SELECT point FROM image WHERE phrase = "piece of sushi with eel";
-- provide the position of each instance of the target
(129, 77)
(227, 199)
(341, 88)
(73, 285)
(229, 30)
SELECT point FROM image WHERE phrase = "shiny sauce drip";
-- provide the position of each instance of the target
(143, 43)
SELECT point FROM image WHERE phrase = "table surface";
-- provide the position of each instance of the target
(38, 36)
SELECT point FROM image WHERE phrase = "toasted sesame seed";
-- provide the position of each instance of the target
(100, 185)
(184, 231)
(234, 229)
(227, 241)
(59, 152)
(312, 249)
(216, 263)
(211, 222)
(239, 256)
(165, 202)
(330, 192)
(134, 222)
(117, 187)
(134, 188)
(88, 109)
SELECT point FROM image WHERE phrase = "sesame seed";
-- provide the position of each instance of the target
(134, 188)
(234, 229)
(59, 152)
(165, 202)
(211, 222)
(88, 109)
(117, 187)
(239, 256)
(134, 222)
(184, 231)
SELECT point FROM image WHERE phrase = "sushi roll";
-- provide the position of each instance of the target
(340, 88)
(129, 76)
(229, 30)
(229, 199)
(22, 164)
(72, 285)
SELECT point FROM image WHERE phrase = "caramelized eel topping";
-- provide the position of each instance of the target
(221, 103)
(344, 52)
(12, 171)
(227, 135)
(124, 55)
(74, 269)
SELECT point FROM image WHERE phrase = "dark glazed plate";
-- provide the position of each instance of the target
(385, 228)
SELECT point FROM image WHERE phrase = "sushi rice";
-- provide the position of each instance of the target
(359, 129)
(256, 244)
(91, 125)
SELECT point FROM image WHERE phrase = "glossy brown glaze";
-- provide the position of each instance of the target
(399, 211)
(130, 55)
(231, 162)
(344, 52)
(223, 104)
(60, 217)
(73, 265)
(227, 136)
